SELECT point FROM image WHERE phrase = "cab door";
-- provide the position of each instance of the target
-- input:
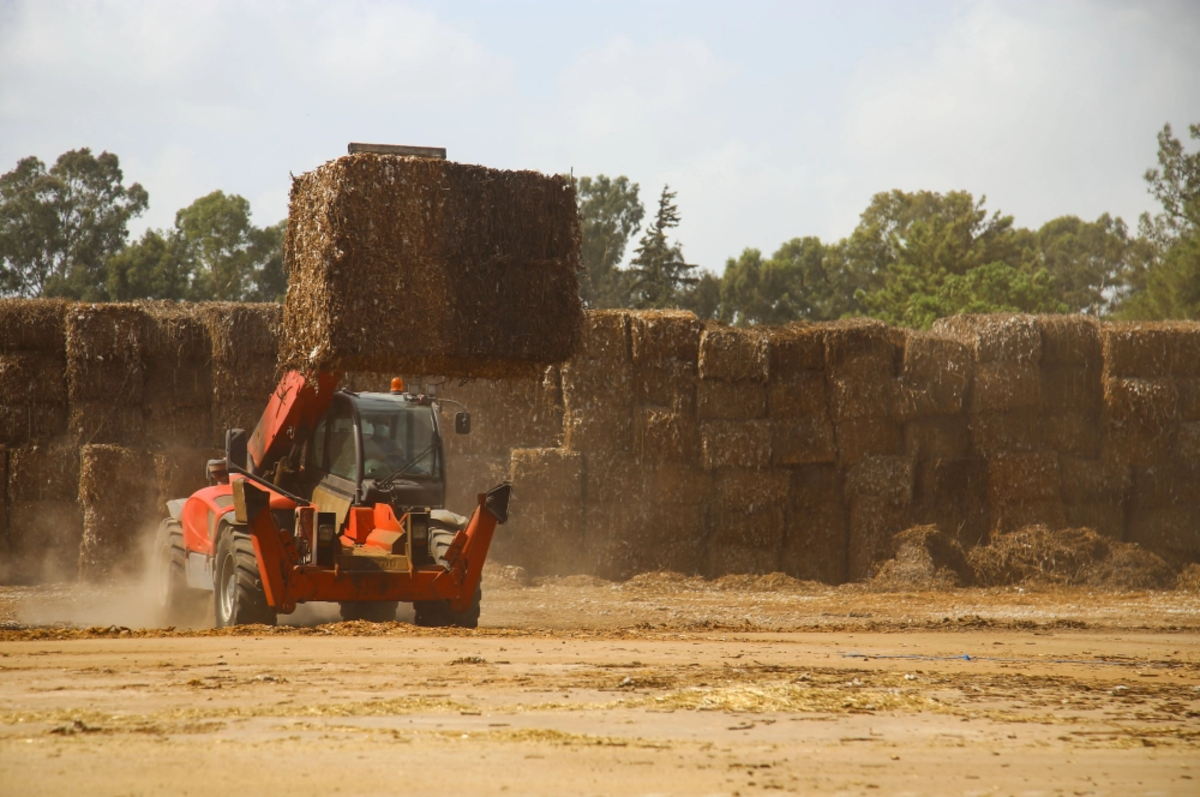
(336, 458)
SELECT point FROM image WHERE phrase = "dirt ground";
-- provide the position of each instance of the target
(661, 685)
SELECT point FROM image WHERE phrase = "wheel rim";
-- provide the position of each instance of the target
(228, 591)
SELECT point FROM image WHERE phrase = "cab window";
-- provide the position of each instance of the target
(333, 442)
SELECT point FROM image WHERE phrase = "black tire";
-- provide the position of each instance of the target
(239, 598)
(370, 611)
(175, 602)
(438, 614)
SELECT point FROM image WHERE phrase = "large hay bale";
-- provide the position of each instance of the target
(937, 437)
(749, 489)
(34, 404)
(730, 401)
(1007, 517)
(1151, 350)
(952, 494)
(855, 395)
(801, 394)
(935, 376)
(33, 325)
(661, 435)
(998, 337)
(1003, 432)
(597, 387)
(669, 383)
(507, 414)
(469, 475)
(735, 444)
(795, 348)
(1087, 480)
(745, 542)
(177, 357)
(44, 522)
(924, 559)
(1070, 340)
(1023, 477)
(104, 422)
(859, 344)
(814, 545)
(1006, 385)
(430, 267)
(886, 477)
(104, 346)
(245, 340)
(733, 355)
(658, 336)
(865, 437)
(1072, 387)
(802, 441)
(678, 483)
(1168, 531)
(547, 507)
(873, 523)
(165, 426)
(1077, 433)
(1139, 417)
(119, 514)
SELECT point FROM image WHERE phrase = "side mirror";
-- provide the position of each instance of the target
(462, 423)
(235, 448)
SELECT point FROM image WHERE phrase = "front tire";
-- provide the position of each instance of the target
(438, 614)
(175, 602)
(239, 599)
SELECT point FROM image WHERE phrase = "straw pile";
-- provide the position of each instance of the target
(245, 342)
(32, 370)
(924, 559)
(178, 382)
(1038, 555)
(105, 373)
(814, 545)
(430, 267)
(44, 522)
(117, 499)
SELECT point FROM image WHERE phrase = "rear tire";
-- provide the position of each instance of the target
(239, 599)
(438, 614)
(370, 611)
(175, 602)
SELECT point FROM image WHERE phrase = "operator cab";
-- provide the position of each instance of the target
(378, 448)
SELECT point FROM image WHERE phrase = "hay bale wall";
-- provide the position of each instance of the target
(664, 443)
(430, 267)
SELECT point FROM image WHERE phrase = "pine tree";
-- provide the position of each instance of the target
(659, 271)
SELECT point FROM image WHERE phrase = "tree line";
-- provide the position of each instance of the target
(913, 257)
(64, 233)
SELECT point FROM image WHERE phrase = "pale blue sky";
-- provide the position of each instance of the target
(771, 120)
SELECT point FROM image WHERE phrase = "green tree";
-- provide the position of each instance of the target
(703, 298)
(660, 274)
(58, 227)
(610, 212)
(149, 268)
(1088, 261)
(1167, 283)
(226, 257)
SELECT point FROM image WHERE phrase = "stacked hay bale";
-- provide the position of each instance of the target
(1006, 417)
(547, 503)
(245, 346)
(664, 349)
(430, 267)
(177, 356)
(861, 358)
(44, 521)
(33, 380)
(597, 387)
(117, 493)
(105, 373)
(1150, 432)
(949, 479)
(1092, 489)
(802, 440)
(735, 445)
(179, 472)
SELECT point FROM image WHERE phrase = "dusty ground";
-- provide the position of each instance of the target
(668, 686)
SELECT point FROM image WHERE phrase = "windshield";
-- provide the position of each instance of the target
(397, 435)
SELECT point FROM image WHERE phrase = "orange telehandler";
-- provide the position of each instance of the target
(335, 496)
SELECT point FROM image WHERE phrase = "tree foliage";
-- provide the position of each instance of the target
(58, 227)
(661, 276)
(610, 212)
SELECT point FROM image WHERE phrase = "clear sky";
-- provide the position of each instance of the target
(770, 119)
